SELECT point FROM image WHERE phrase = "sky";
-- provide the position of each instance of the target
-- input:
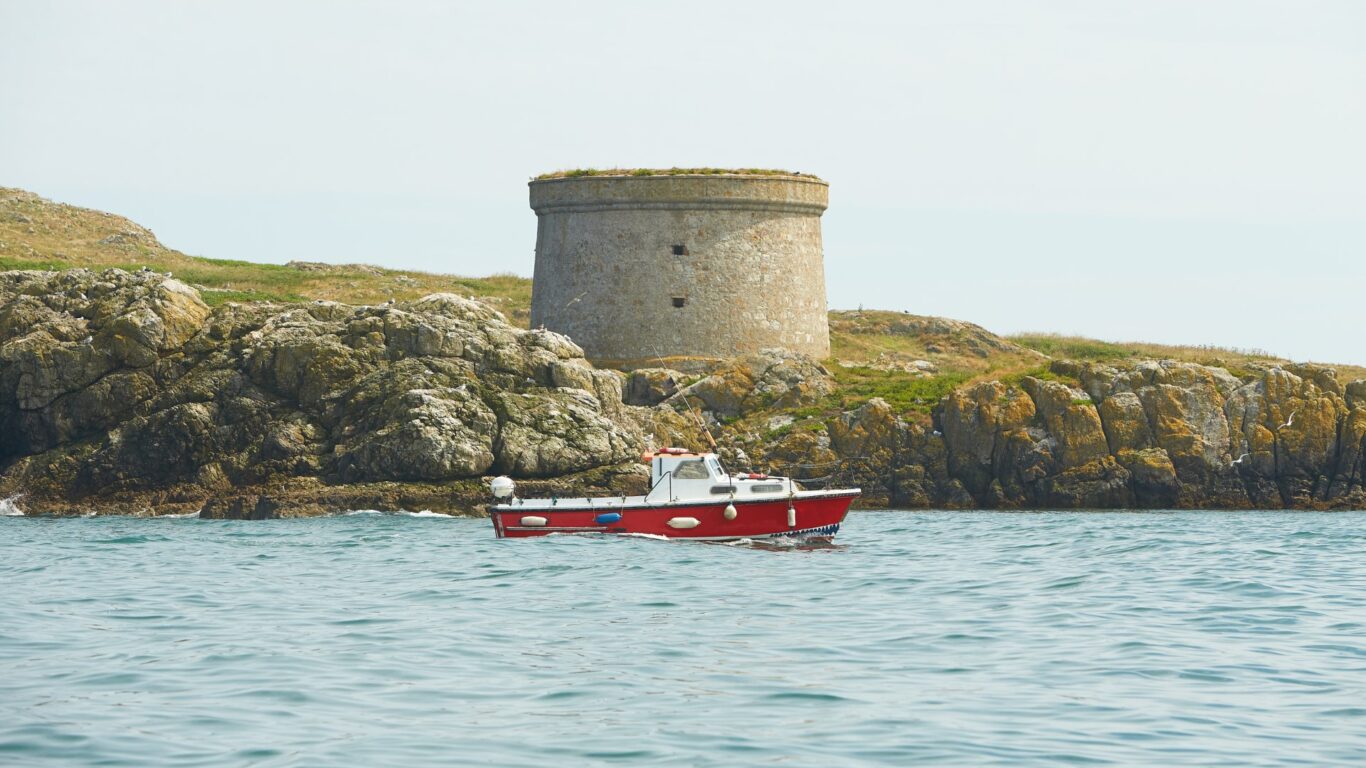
(1191, 171)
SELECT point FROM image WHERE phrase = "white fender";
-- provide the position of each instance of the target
(791, 517)
(684, 522)
(731, 512)
(533, 521)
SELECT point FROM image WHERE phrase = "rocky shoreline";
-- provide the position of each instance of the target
(123, 392)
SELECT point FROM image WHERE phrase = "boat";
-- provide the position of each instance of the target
(691, 496)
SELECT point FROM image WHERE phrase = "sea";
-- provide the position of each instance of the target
(917, 638)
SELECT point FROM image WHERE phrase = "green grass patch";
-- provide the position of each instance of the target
(580, 172)
(1042, 373)
(1073, 348)
(216, 297)
(47, 265)
(903, 391)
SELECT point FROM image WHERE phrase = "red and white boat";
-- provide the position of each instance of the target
(691, 497)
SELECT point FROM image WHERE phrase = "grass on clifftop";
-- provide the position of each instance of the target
(873, 352)
(1236, 361)
(39, 234)
(912, 360)
(577, 172)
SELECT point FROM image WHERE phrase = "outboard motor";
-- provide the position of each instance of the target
(502, 487)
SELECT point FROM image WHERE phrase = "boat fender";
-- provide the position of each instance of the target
(756, 476)
(684, 522)
(533, 521)
(502, 487)
(731, 512)
(791, 517)
(607, 518)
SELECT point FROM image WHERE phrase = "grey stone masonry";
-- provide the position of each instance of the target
(637, 268)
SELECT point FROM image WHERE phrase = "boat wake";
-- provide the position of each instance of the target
(786, 544)
(654, 536)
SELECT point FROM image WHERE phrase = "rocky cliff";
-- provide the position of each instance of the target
(122, 391)
(1149, 434)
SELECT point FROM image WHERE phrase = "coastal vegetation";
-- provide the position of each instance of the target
(577, 172)
(136, 377)
(38, 234)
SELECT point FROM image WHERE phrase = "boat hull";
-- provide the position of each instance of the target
(805, 517)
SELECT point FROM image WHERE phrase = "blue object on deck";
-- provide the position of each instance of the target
(607, 518)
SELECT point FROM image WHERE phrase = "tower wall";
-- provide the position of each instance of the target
(750, 274)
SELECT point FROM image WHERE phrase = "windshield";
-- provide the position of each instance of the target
(691, 470)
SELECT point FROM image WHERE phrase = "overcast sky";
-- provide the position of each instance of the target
(1186, 172)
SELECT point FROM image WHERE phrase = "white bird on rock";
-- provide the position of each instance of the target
(1239, 460)
(1288, 421)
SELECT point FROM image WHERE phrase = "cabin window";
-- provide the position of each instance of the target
(772, 488)
(679, 301)
(679, 250)
(691, 470)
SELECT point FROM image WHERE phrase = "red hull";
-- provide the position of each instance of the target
(814, 515)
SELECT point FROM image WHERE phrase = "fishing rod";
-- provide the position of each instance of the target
(691, 408)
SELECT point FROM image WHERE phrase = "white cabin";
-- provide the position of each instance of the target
(677, 475)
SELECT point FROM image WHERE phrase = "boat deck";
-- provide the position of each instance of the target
(636, 502)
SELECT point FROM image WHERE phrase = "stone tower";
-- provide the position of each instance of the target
(640, 265)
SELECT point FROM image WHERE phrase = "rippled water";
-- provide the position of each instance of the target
(941, 638)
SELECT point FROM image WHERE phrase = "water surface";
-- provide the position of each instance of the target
(939, 638)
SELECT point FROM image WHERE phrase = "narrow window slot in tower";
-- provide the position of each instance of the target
(679, 250)
(679, 301)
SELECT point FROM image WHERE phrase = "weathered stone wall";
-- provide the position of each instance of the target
(751, 275)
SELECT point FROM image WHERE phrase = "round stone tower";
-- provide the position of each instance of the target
(640, 265)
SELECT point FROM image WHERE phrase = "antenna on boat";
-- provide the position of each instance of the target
(701, 423)
(691, 408)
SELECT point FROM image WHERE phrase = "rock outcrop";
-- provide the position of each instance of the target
(120, 385)
(124, 392)
(1156, 434)
(1148, 434)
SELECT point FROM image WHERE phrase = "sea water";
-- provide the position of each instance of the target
(1190, 638)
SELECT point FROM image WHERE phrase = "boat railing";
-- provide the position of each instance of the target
(847, 470)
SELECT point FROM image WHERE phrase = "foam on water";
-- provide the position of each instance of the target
(9, 506)
(932, 638)
(401, 513)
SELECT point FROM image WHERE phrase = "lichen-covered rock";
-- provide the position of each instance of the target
(1292, 429)
(124, 391)
(1152, 476)
(438, 433)
(985, 433)
(548, 435)
(79, 350)
(1160, 434)
(651, 386)
(1099, 484)
(125, 383)
(1071, 419)
(768, 379)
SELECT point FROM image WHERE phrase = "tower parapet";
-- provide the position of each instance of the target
(645, 265)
